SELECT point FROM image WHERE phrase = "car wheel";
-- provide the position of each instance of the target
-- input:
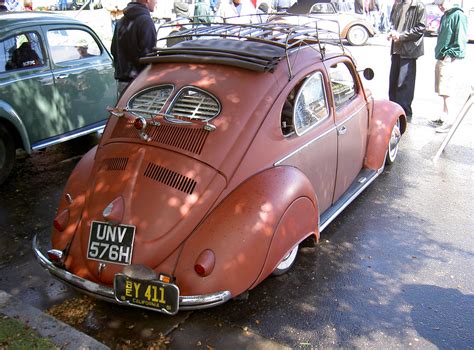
(286, 263)
(357, 35)
(392, 149)
(7, 153)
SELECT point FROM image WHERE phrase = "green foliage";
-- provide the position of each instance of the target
(16, 335)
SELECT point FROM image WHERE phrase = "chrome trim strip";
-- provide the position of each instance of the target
(68, 137)
(350, 200)
(278, 162)
(51, 72)
(190, 302)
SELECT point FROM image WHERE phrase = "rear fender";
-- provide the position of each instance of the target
(384, 116)
(75, 189)
(299, 221)
(249, 232)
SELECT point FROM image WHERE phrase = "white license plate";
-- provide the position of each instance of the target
(110, 243)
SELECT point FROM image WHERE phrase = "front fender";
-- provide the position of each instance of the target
(243, 229)
(384, 117)
(8, 113)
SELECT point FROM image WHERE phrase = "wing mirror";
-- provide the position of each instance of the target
(368, 73)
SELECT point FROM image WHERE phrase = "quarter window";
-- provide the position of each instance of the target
(310, 104)
(72, 44)
(342, 84)
(21, 51)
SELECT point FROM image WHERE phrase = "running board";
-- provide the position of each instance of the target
(363, 179)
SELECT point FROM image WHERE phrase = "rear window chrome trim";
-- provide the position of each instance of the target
(176, 97)
(145, 91)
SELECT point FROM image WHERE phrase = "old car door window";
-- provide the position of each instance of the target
(310, 104)
(323, 8)
(71, 44)
(21, 51)
(342, 83)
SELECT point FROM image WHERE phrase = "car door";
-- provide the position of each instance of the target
(83, 77)
(351, 119)
(26, 82)
(307, 123)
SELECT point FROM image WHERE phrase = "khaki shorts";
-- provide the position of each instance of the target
(445, 76)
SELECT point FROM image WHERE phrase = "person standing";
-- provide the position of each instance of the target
(115, 9)
(450, 49)
(134, 37)
(409, 21)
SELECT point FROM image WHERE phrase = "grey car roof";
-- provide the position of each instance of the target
(13, 20)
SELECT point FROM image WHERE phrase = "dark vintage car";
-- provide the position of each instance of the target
(229, 150)
(56, 79)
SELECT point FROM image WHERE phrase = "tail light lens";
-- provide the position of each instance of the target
(56, 256)
(205, 263)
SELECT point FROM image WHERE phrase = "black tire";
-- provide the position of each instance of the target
(7, 153)
(357, 35)
(392, 148)
(286, 263)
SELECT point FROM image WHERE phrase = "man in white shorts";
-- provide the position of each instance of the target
(450, 48)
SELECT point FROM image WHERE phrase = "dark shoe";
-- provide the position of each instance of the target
(436, 122)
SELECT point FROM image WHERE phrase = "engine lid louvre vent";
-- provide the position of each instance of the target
(188, 139)
(170, 178)
(185, 138)
(115, 163)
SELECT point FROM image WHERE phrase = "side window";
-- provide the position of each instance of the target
(310, 104)
(342, 84)
(322, 8)
(21, 51)
(71, 44)
(305, 106)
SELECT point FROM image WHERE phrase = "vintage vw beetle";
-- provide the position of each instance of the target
(229, 150)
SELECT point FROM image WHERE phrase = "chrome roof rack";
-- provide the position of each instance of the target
(255, 46)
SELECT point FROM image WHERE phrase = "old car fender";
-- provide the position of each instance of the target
(248, 233)
(9, 116)
(73, 199)
(353, 23)
(384, 116)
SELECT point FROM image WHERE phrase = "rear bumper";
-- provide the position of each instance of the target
(190, 302)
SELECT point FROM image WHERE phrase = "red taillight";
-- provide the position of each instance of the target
(55, 255)
(200, 270)
(139, 123)
(61, 220)
(205, 263)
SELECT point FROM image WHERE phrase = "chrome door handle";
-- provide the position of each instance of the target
(342, 130)
(62, 76)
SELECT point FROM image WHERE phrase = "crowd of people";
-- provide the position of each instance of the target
(403, 20)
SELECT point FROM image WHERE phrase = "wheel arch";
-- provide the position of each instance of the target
(241, 230)
(12, 121)
(346, 29)
(384, 116)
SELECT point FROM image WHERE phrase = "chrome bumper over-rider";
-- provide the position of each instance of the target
(98, 291)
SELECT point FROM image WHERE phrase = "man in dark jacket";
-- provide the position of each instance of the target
(409, 21)
(134, 37)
